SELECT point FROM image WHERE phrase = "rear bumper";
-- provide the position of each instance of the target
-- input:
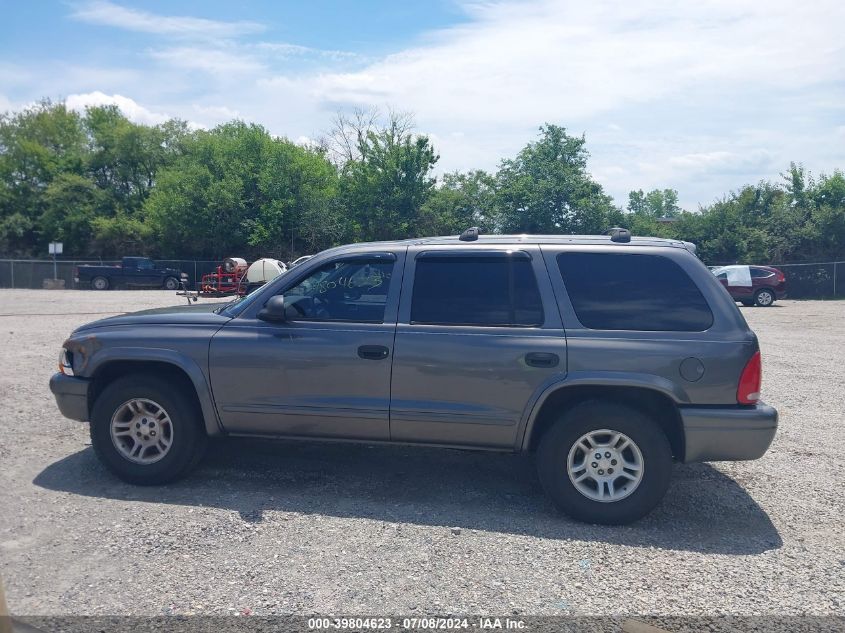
(729, 433)
(71, 396)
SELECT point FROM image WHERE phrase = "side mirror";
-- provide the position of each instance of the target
(274, 310)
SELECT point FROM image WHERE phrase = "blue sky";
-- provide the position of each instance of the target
(701, 97)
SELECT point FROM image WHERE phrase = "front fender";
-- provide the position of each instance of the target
(102, 357)
(593, 379)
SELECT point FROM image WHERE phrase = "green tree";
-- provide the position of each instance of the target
(36, 145)
(385, 184)
(302, 214)
(461, 201)
(71, 202)
(125, 157)
(657, 203)
(546, 188)
(237, 190)
(121, 234)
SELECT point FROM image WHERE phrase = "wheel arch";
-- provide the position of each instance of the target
(182, 372)
(653, 402)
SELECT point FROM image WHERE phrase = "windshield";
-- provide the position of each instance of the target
(233, 308)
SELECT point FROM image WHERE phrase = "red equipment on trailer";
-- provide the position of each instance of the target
(228, 279)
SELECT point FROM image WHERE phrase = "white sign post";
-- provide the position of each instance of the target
(55, 249)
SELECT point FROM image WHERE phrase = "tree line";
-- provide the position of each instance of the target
(106, 187)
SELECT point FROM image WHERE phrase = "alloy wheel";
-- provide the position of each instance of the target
(605, 465)
(141, 431)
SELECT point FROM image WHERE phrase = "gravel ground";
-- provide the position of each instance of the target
(279, 528)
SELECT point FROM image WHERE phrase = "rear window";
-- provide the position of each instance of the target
(628, 291)
(477, 290)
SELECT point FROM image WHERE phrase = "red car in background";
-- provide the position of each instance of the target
(753, 285)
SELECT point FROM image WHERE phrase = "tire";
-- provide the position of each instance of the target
(171, 283)
(764, 297)
(559, 444)
(182, 426)
(100, 283)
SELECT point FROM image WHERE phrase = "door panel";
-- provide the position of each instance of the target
(303, 379)
(463, 383)
(467, 385)
(323, 372)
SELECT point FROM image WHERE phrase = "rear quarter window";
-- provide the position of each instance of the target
(632, 291)
(760, 273)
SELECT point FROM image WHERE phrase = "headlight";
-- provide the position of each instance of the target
(66, 362)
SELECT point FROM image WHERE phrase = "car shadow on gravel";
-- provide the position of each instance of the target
(704, 511)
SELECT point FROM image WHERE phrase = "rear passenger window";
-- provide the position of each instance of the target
(476, 290)
(628, 291)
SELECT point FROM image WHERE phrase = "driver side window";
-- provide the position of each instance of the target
(343, 290)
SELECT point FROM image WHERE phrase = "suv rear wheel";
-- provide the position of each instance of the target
(145, 431)
(605, 463)
(764, 297)
(171, 283)
(100, 283)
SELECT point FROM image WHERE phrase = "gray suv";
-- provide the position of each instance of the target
(605, 356)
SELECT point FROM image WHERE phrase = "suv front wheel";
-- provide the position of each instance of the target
(145, 431)
(605, 463)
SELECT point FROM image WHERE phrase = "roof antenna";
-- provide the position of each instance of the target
(618, 234)
(470, 235)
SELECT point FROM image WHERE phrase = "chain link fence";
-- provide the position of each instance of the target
(823, 280)
(816, 280)
(31, 273)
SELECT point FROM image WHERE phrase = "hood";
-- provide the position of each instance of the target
(173, 315)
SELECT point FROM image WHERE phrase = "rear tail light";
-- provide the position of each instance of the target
(781, 276)
(748, 391)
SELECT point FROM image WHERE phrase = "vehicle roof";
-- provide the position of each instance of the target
(744, 266)
(524, 239)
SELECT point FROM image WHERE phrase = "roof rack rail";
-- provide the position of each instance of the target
(618, 234)
(470, 235)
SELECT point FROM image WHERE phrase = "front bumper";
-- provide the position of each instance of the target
(71, 395)
(727, 433)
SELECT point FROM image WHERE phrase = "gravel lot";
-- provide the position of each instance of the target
(298, 528)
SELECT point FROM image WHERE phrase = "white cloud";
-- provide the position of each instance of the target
(288, 51)
(720, 161)
(6, 104)
(552, 60)
(130, 108)
(216, 113)
(210, 60)
(110, 14)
